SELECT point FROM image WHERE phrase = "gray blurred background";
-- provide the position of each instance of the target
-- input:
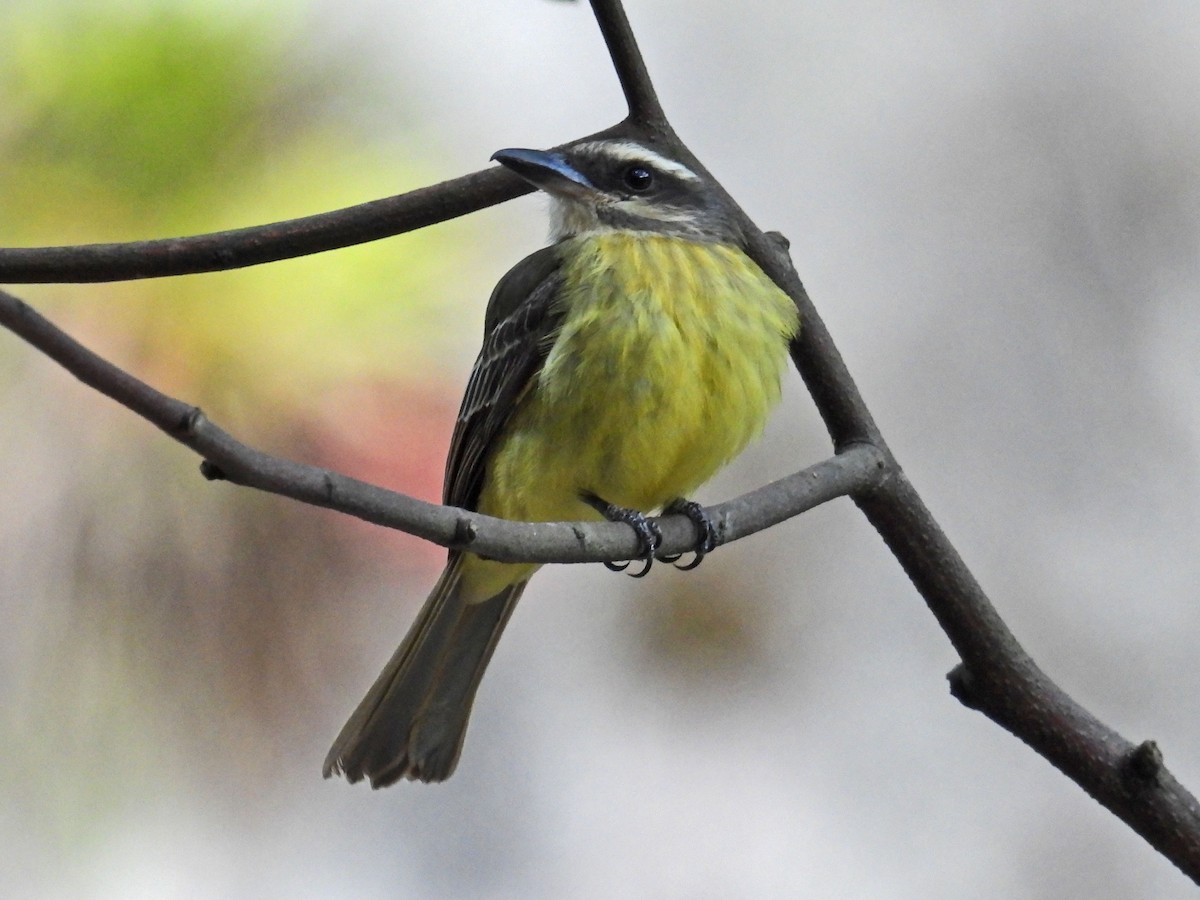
(995, 210)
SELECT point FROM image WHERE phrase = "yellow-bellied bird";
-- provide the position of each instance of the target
(621, 367)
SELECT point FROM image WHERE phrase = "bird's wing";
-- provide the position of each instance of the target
(520, 325)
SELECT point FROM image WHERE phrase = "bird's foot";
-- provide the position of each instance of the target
(648, 535)
(705, 529)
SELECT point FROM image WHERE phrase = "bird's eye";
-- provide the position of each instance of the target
(638, 178)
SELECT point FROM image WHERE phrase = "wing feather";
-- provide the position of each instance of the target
(521, 321)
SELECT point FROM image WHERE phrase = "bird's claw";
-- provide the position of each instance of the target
(705, 528)
(648, 534)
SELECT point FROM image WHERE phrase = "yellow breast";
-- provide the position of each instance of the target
(668, 361)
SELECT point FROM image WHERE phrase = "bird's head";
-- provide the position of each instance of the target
(620, 185)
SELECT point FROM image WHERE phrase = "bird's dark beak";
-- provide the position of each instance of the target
(549, 171)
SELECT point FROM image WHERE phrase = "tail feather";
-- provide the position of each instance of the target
(412, 721)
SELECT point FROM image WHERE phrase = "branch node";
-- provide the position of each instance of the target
(1143, 767)
(212, 471)
(191, 421)
(330, 486)
(720, 528)
(464, 533)
(963, 687)
(779, 239)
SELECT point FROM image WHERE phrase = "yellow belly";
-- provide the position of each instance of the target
(667, 364)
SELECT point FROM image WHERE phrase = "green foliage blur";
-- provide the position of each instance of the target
(167, 118)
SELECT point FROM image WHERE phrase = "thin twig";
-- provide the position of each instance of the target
(642, 100)
(224, 250)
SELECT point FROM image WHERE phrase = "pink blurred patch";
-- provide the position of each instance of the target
(393, 435)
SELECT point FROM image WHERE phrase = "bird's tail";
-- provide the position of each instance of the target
(412, 722)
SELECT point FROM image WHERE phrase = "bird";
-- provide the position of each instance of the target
(622, 366)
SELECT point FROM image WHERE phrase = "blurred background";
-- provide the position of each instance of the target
(994, 208)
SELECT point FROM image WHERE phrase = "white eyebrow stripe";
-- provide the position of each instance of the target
(628, 151)
(657, 211)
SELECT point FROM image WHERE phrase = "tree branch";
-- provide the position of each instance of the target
(997, 676)
(640, 97)
(242, 247)
(224, 250)
(228, 459)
